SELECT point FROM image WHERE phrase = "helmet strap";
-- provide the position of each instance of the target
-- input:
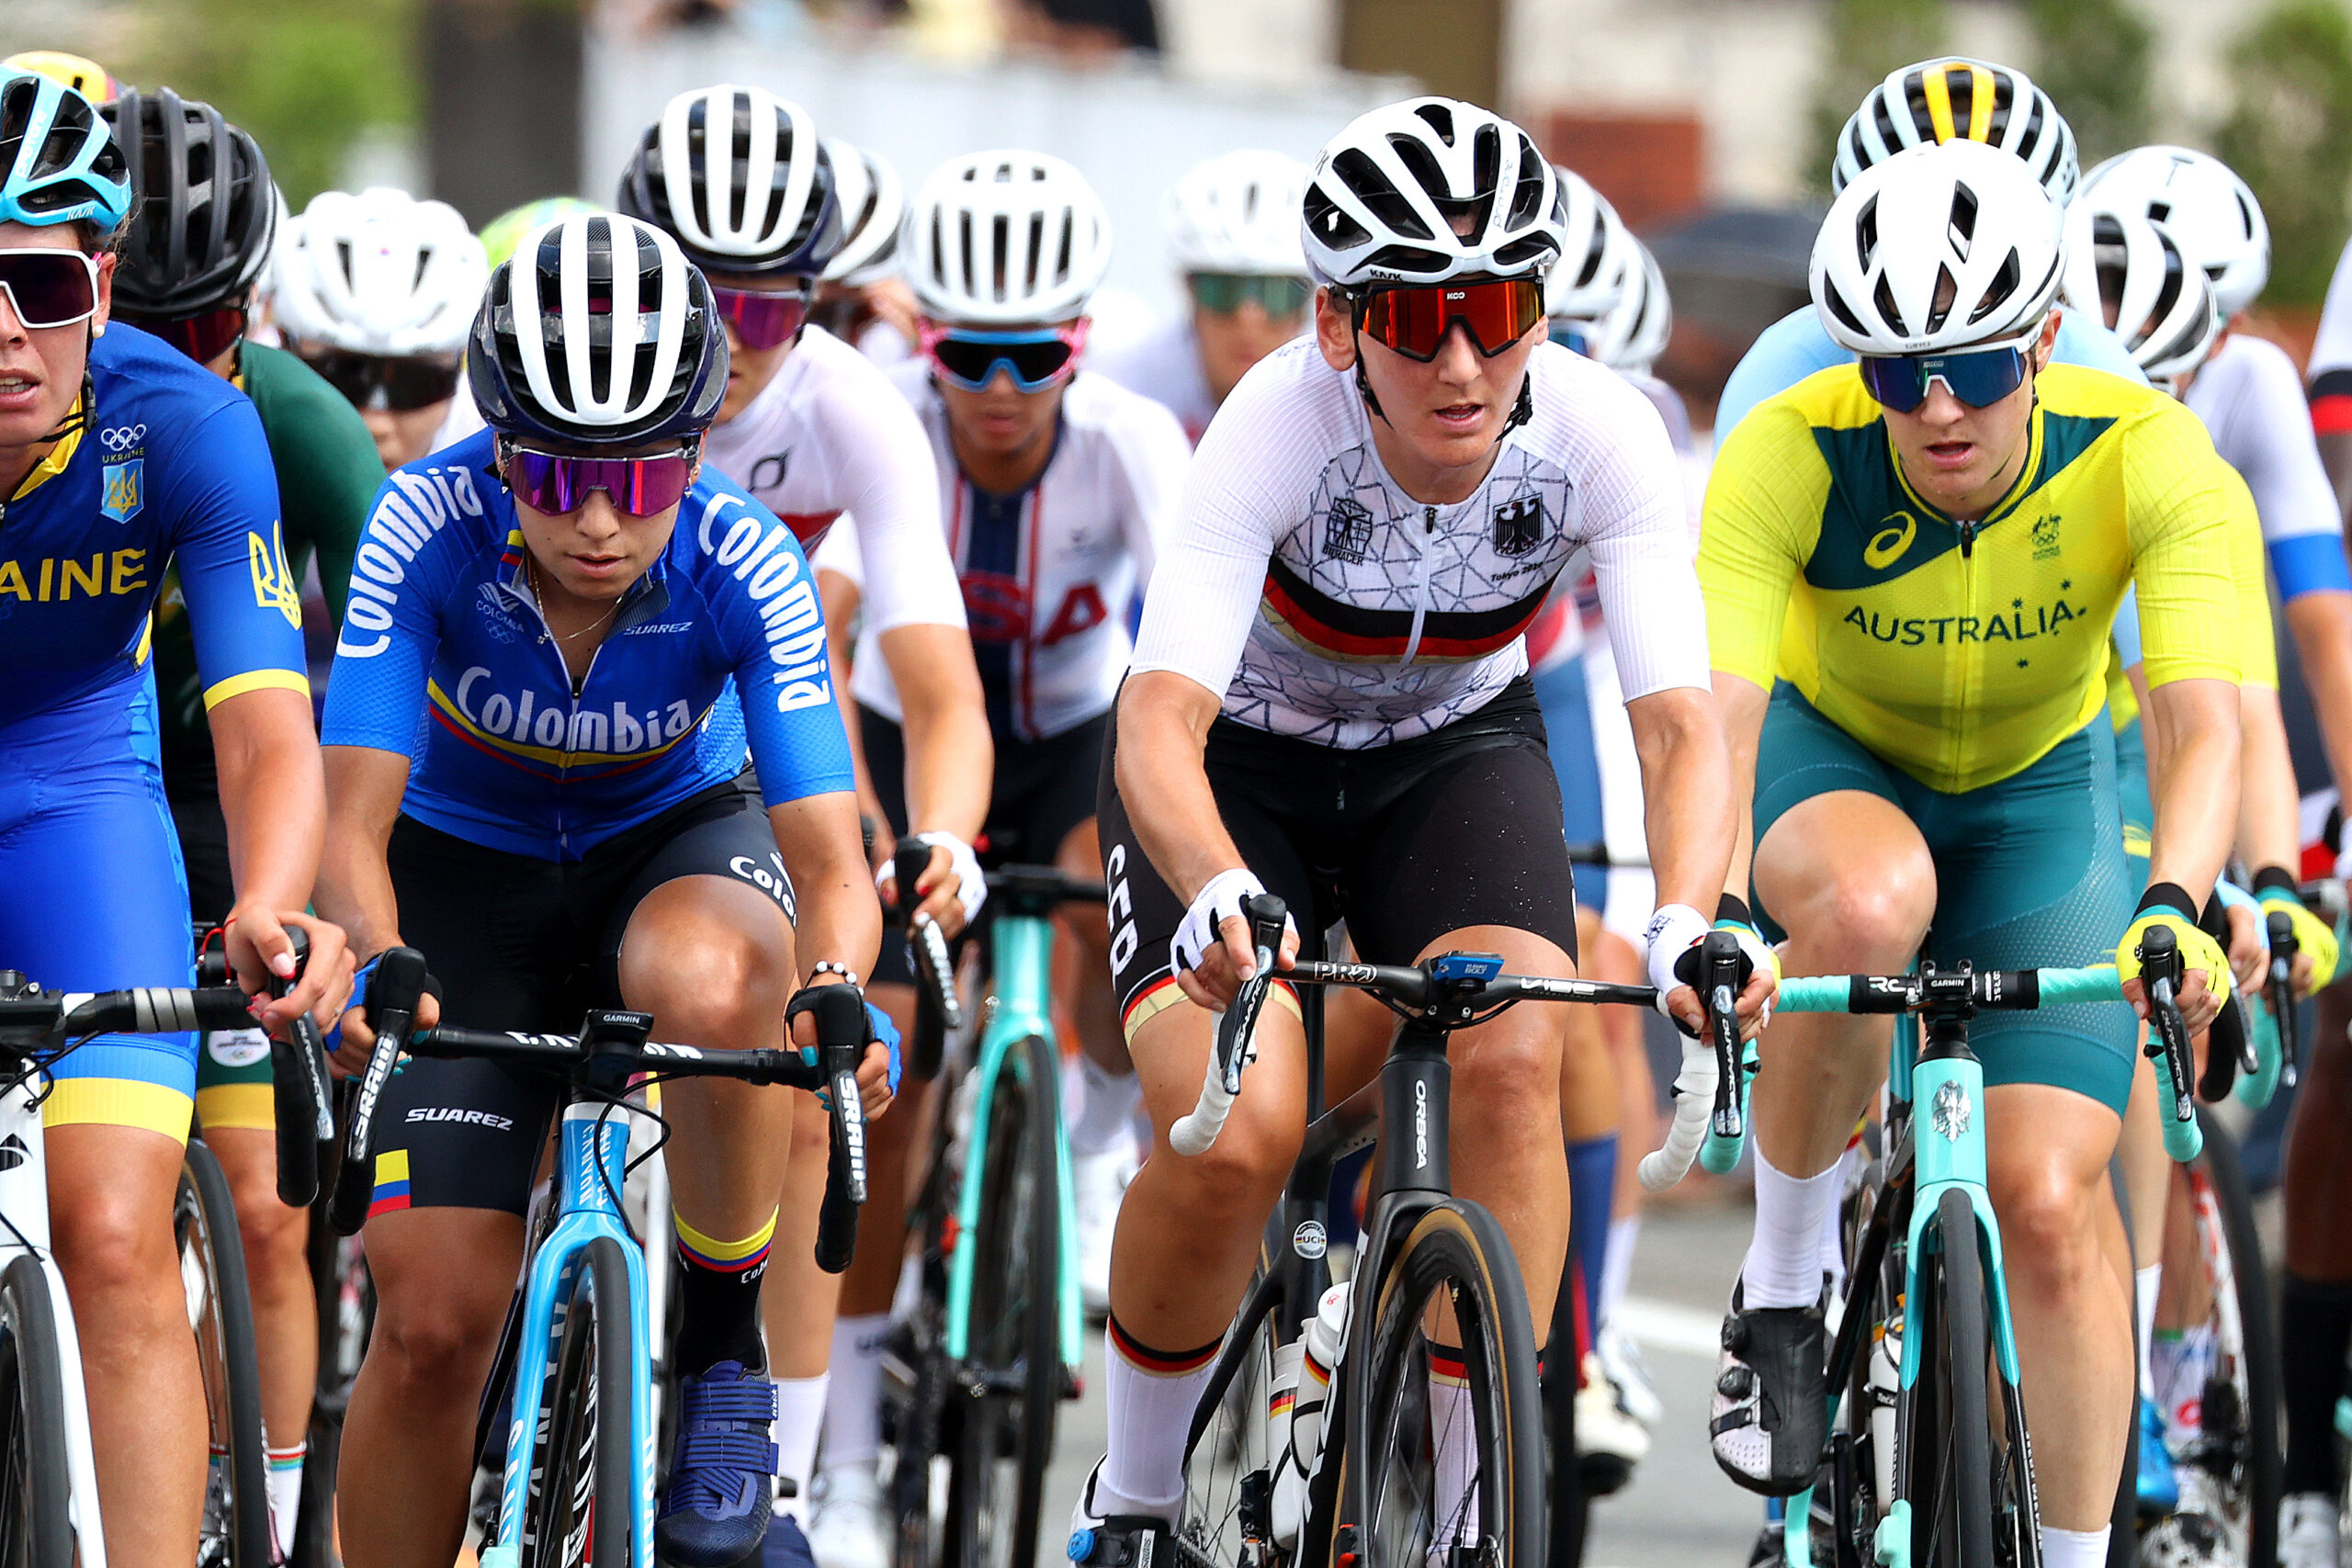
(1523, 408)
(78, 417)
(1364, 382)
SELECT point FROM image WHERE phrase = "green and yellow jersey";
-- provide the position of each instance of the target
(1961, 653)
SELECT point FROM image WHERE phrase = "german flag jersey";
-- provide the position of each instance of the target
(1961, 653)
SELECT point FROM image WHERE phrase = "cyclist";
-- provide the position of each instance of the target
(813, 430)
(1332, 673)
(861, 298)
(534, 737)
(376, 292)
(1232, 226)
(202, 213)
(121, 458)
(1056, 483)
(1958, 470)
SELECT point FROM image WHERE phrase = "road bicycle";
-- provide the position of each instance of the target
(575, 1376)
(1403, 1470)
(974, 1378)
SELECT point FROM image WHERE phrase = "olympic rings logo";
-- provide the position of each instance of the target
(122, 439)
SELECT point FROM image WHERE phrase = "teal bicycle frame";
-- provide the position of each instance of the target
(1021, 948)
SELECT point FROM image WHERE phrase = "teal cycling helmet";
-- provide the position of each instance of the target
(59, 162)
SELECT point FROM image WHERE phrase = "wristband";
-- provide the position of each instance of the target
(1671, 933)
(827, 967)
(2167, 896)
(971, 885)
(1732, 911)
(2276, 879)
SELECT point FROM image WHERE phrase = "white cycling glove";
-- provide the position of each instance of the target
(1672, 932)
(1218, 900)
(971, 886)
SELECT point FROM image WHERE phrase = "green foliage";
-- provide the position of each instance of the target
(1861, 41)
(2289, 134)
(2092, 57)
(308, 78)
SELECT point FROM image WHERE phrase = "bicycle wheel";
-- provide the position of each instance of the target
(1571, 1504)
(1011, 1378)
(916, 1375)
(1226, 1518)
(235, 1532)
(1394, 1512)
(347, 1302)
(577, 1511)
(37, 1525)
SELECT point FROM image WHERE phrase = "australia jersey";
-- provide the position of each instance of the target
(445, 659)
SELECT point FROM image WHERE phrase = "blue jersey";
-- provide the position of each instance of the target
(446, 660)
(1797, 345)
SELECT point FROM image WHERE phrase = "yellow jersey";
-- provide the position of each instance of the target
(1962, 651)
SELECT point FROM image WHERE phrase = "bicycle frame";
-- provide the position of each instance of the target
(1021, 948)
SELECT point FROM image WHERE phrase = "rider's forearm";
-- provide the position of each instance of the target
(1686, 795)
(1740, 704)
(951, 758)
(273, 796)
(2269, 832)
(354, 889)
(2322, 623)
(2193, 762)
(1163, 721)
(837, 916)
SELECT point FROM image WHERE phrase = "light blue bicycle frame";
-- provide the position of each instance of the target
(590, 1164)
(1021, 949)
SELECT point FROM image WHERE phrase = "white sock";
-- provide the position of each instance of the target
(2146, 1283)
(1617, 1266)
(286, 1493)
(1784, 1265)
(2073, 1549)
(1151, 1411)
(1107, 1110)
(799, 1415)
(1454, 1444)
(853, 1405)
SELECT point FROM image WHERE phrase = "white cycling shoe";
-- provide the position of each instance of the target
(2309, 1533)
(1609, 1442)
(850, 1527)
(1620, 1359)
(1099, 1181)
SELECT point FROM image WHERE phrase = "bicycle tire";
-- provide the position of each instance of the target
(576, 1513)
(1571, 1503)
(1228, 1470)
(1460, 1247)
(1951, 1523)
(1012, 1372)
(916, 1374)
(346, 1308)
(37, 1527)
(235, 1531)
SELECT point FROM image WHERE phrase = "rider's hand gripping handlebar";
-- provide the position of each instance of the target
(925, 941)
(393, 993)
(2160, 970)
(1235, 1032)
(297, 1067)
(1710, 1091)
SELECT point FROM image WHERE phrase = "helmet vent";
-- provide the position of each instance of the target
(1884, 299)
(2001, 290)
(1361, 175)
(1963, 220)
(1331, 225)
(1439, 119)
(1939, 306)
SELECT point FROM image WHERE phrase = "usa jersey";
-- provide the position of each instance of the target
(1046, 574)
(446, 660)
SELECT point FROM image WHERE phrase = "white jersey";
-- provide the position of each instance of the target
(1165, 368)
(2252, 403)
(1048, 574)
(1303, 583)
(830, 435)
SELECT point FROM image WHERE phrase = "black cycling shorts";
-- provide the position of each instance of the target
(519, 942)
(1460, 827)
(1042, 790)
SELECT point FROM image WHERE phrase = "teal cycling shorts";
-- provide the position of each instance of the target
(2030, 874)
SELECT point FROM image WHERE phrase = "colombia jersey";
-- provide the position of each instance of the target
(1961, 653)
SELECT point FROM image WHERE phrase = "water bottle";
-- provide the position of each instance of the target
(1301, 1386)
(1885, 1386)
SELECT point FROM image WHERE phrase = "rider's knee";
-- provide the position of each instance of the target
(110, 1245)
(442, 1341)
(1243, 1172)
(268, 1228)
(2049, 1230)
(715, 989)
(1511, 1068)
(1873, 919)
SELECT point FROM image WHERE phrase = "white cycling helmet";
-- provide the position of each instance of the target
(1239, 213)
(736, 177)
(1956, 98)
(1600, 258)
(1633, 334)
(874, 204)
(378, 273)
(1388, 191)
(2164, 310)
(2208, 208)
(1004, 238)
(1960, 215)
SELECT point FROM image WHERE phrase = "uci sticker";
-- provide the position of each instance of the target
(125, 484)
(1308, 1239)
(237, 1047)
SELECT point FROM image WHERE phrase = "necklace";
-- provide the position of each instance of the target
(531, 565)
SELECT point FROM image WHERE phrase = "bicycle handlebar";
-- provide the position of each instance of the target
(926, 943)
(1237, 1032)
(1709, 1105)
(2284, 948)
(298, 1080)
(29, 1023)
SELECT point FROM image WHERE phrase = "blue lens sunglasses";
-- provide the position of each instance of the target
(1977, 376)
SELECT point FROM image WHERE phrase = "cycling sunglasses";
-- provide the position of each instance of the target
(374, 380)
(763, 320)
(203, 337)
(555, 484)
(1035, 357)
(1226, 292)
(1414, 319)
(49, 288)
(1977, 376)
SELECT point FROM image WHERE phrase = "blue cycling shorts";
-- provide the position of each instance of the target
(97, 900)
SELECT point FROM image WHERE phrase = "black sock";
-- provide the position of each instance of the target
(2314, 1330)
(719, 1298)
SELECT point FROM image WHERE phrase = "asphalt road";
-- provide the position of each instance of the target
(1679, 1512)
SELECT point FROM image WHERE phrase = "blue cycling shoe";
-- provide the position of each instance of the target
(2159, 1487)
(722, 1478)
(785, 1546)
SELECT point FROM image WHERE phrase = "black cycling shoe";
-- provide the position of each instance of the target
(1771, 1400)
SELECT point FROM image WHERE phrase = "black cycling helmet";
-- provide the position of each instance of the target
(203, 209)
(738, 179)
(597, 331)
